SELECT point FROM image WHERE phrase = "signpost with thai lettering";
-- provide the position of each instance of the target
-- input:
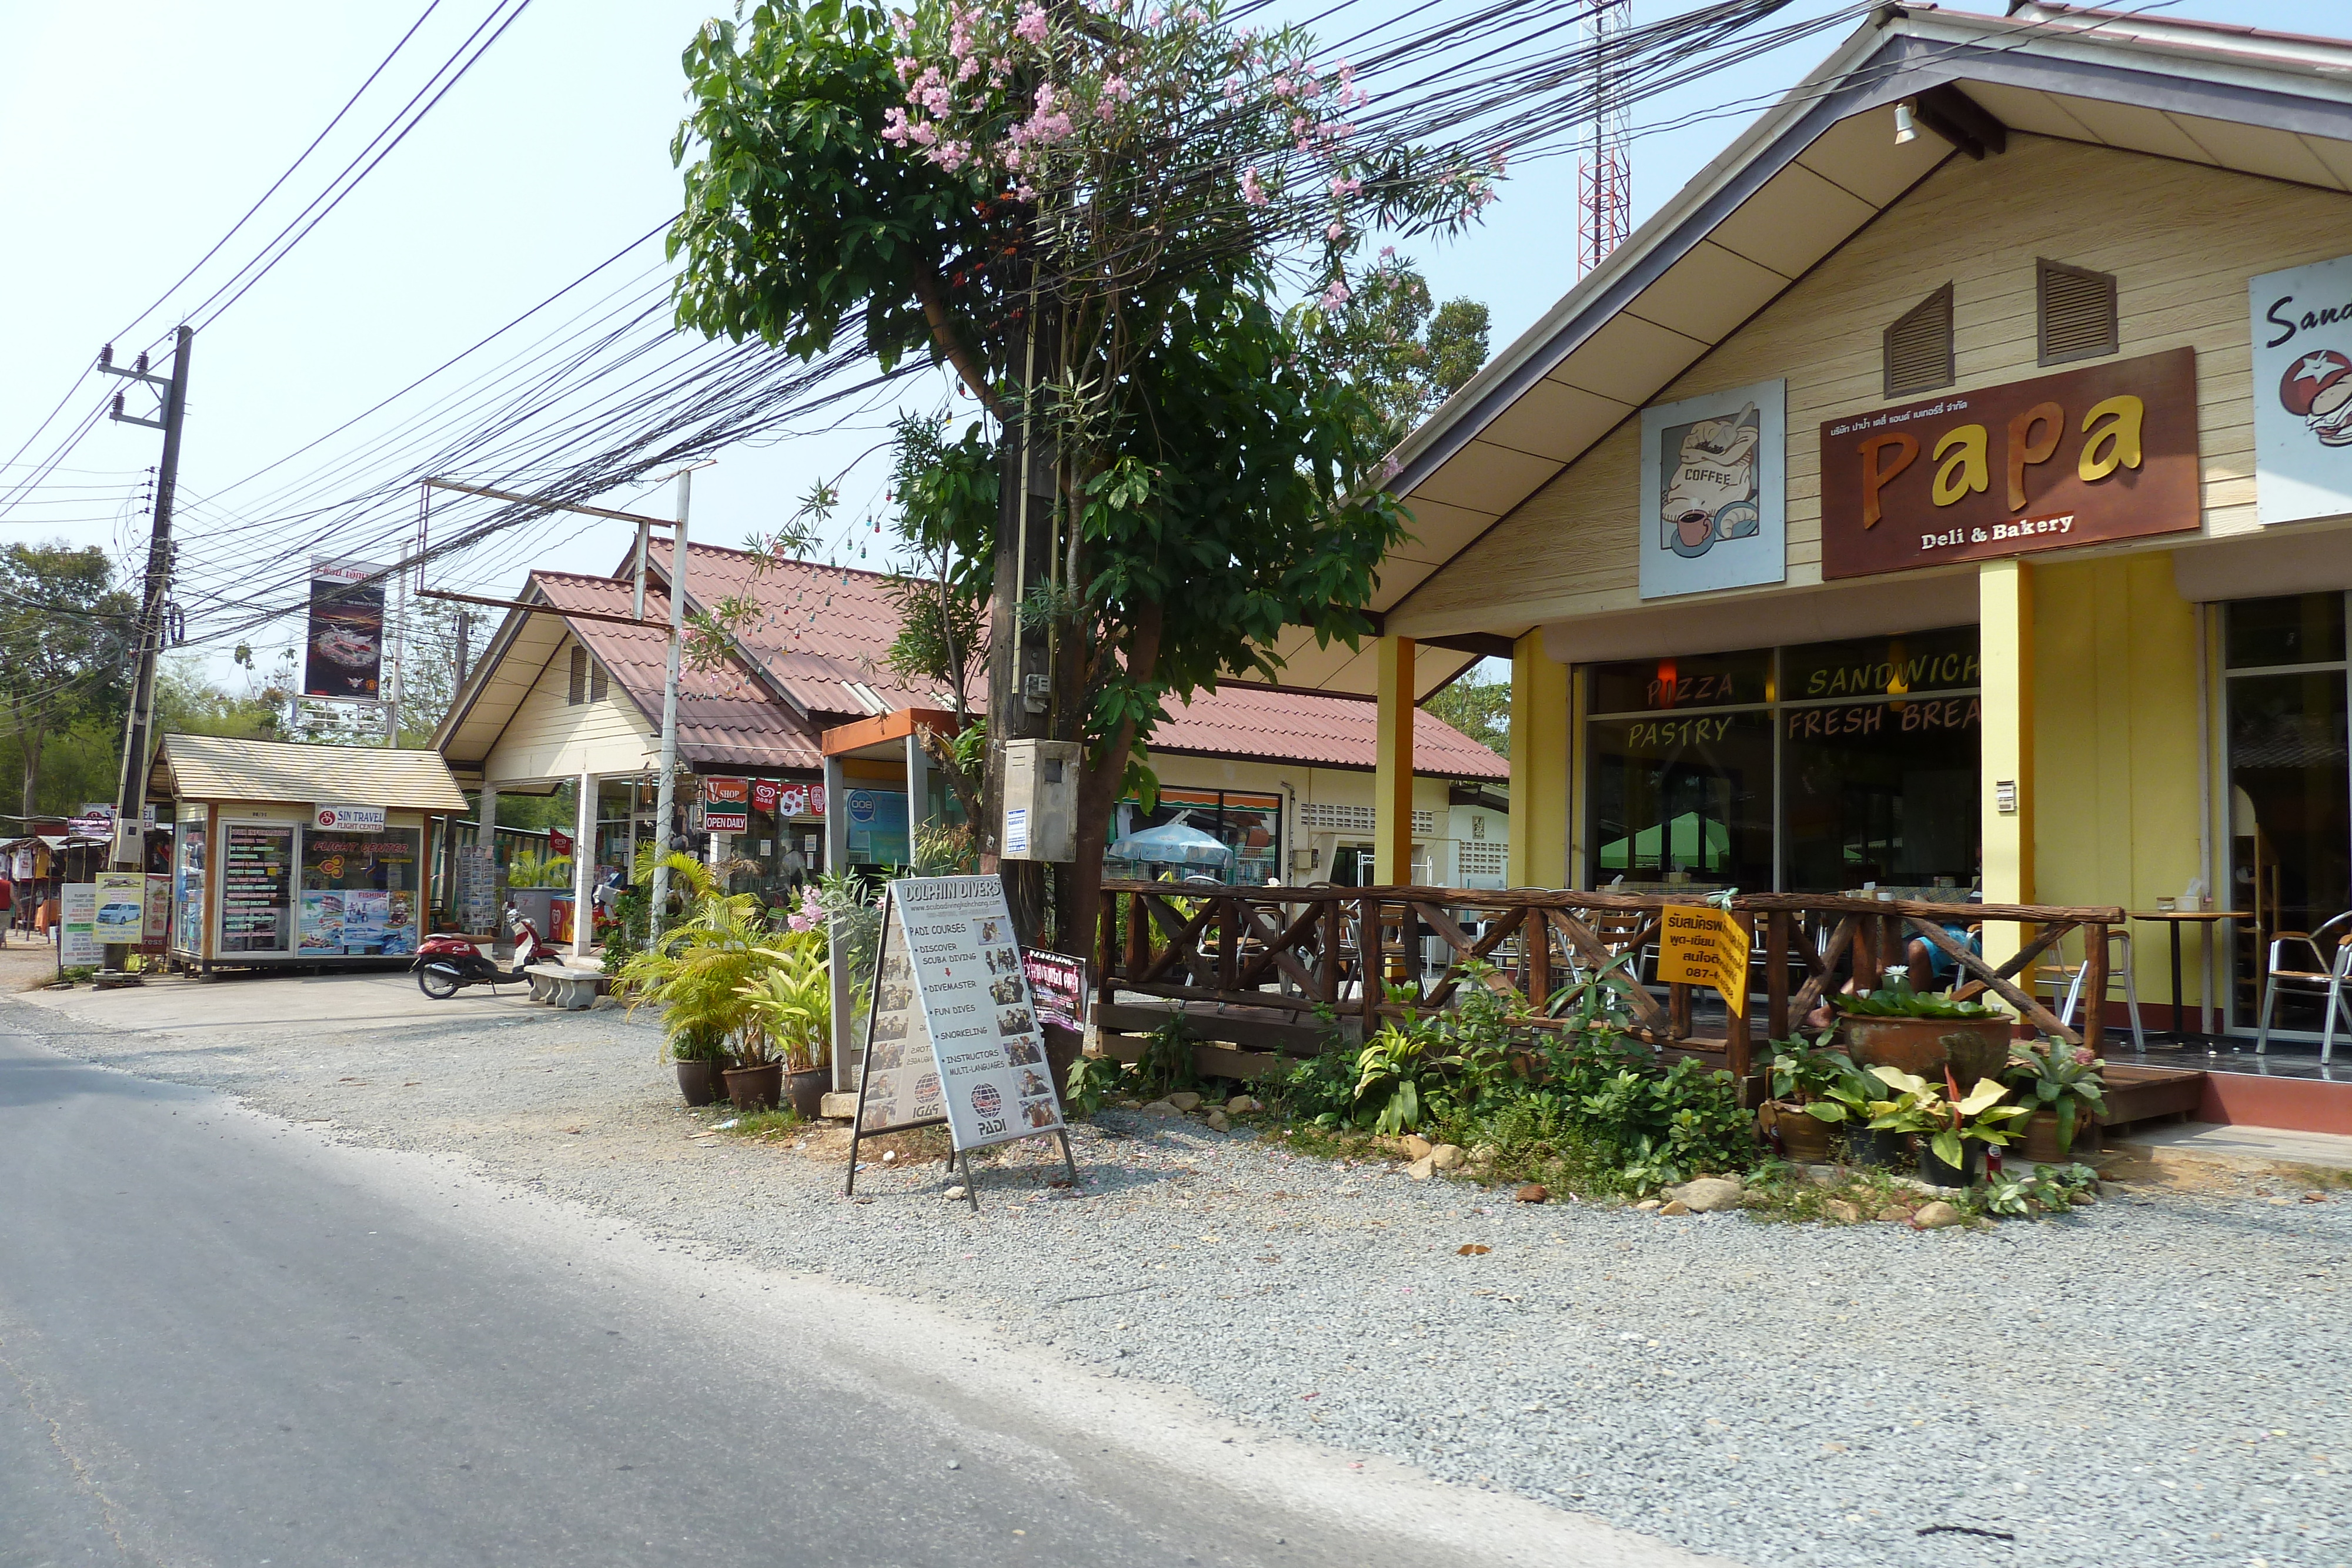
(1699, 945)
(2081, 457)
(953, 1034)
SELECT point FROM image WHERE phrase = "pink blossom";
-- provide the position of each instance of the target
(904, 24)
(1031, 24)
(1284, 87)
(1388, 253)
(1343, 188)
(1252, 192)
(1336, 233)
(894, 125)
(1115, 87)
(1335, 295)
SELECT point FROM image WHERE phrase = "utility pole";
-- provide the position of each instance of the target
(129, 852)
(666, 791)
(1020, 674)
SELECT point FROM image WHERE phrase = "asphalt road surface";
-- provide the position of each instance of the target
(226, 1340)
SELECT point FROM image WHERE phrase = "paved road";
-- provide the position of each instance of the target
(225, 1340)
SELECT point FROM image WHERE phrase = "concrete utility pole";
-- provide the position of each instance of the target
(666, 791)
(1020, 664)
(131, 791)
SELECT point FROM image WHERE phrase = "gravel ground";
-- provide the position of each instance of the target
(2159, 1378)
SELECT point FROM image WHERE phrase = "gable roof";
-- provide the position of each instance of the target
(814, 660)
(1800, 182)
(224, 768)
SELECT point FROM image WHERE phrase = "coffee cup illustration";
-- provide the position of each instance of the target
(1711, 485)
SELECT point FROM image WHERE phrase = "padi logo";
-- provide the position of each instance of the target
(986, 1100)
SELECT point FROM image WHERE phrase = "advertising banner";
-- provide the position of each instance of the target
(1057, 984)
(2087, 457)
(344, 655)
(800, 800)
(159, 913)
(77, 935)
(2302, 391)
(349, 819)
(1699, 945)
(1715, 491)
(948, 961)
(120, 918)
(726, 805)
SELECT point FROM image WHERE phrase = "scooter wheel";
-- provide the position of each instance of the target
(439, 981)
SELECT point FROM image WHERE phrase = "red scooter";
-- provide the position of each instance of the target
(447, 963)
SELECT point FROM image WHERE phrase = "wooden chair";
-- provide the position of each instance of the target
(2330, 951)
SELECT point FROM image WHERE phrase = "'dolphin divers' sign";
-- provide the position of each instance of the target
(2087, 457)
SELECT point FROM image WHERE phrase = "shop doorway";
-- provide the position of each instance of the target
(2290, 803)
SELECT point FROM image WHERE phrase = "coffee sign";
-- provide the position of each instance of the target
(2087, 457)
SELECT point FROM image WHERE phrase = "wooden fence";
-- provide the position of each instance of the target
(1304, 950)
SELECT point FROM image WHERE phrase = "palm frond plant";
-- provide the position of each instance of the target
(792, 1000)
(696, 972)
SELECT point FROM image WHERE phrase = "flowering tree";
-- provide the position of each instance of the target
(1127, 227)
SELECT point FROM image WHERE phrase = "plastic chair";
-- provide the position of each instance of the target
(2326, 976)
(2073, 976)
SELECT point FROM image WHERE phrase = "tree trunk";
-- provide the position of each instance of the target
(1098, 798)
(30, 740)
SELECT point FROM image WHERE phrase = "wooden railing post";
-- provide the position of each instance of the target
(1327, 972)
(1107, 949)
(1535, 943)
(2094, 985)
(1775, 975)
(1369, 960)
(1229, 939)
(1138, 937)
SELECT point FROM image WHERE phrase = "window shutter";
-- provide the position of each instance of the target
(578, 692)
(2077, 308)
(1919, 347)
(599, 685)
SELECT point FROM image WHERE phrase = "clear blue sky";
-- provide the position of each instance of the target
(128, 145)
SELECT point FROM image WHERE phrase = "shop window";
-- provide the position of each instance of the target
(1249, 825)
(578, 692)
(2076, 308)
(1919, 347)
(2301, 629)
(1700, 681)
(359, 895)
(1682, 799)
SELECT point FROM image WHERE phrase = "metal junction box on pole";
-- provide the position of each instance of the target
(1040, 800)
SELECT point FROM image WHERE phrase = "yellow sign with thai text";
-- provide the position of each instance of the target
(1699, 945)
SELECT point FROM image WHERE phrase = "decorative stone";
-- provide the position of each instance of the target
(1128, 1104)
(1840, 1210)
(838, 1107)
(1414, 1146)
(1242, 1105)
(1421, 1169)
(1896, 1211)
(1217, 1121)
(1647, 1205)
(1935, 1215)
(953, 1192)
(1448, 1157)
(1161, 1108)
(1533, 1192)
(1677, 1206)
(1710, 1195)
(1184, 1100)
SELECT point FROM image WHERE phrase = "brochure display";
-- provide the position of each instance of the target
(953, 1034)
(77, 946)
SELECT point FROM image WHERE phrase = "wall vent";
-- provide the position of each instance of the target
(577, 693)
(1919, 347)
(2077, 310)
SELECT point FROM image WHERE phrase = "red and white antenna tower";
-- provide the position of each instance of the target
(1605, 172)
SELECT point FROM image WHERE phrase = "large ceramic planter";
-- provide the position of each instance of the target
(2040, 1144)
(805, 1091)
(1971, 1048)
(755, 1088)
(699, 1082)
(1804, 1140)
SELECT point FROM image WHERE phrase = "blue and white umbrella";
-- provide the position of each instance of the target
(1172, 843)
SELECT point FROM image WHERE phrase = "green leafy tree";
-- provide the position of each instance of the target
(1124, 196)
(1479, 705)
(1407, 355)
(66, 636)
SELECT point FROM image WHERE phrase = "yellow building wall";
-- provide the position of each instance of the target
(2117, 754)
(1541, 784)
(2181, 240)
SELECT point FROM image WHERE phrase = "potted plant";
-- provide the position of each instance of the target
(695, 971)
(1922, 1032)
(1802, 1108)
(1953, 1129)
(2060, 1085)
(792, 1006)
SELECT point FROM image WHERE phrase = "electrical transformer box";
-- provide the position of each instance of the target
(1040, 800)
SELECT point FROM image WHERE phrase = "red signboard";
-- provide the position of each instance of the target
(559, 842)
(2087, 457)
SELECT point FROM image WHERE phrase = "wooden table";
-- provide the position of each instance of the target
(2176, 919)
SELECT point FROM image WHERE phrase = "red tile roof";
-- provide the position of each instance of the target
(1239, 719)
(825, 631)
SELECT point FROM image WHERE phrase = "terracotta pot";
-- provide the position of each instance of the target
(1972, 1047)
(1803, 1139)
(2040, 1144)
(805, 1092)
(755, 1088)
(699, 1082)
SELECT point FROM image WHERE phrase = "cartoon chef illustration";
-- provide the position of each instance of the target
(1710, 491)
(2318, 390)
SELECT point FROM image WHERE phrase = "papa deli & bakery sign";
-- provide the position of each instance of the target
(2107, 451)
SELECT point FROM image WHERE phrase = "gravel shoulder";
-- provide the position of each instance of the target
(2165, 1371)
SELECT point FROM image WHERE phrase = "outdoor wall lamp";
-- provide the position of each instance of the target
(1904, 130)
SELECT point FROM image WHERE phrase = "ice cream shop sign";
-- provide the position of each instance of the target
(2087, 457)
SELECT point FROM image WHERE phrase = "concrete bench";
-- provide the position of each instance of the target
(574, 990)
